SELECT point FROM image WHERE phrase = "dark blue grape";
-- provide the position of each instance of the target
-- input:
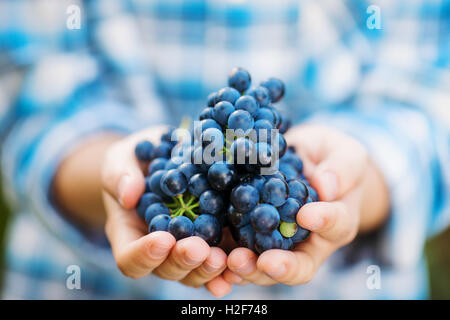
(163, 150)
(212, 135)
(155, 180)
(237, 218)
(181, 227)
(206, 113)
(198, 184)
(244, 198)
(211, 101)
(243, 151)
(313, 194)
(287, 244)
(264, 154)
(247, 103)
(241, 120)
(275, 87)
(288, 211)
(285, 124)
(298, 190)
(291, 158)
(277, 117)
(261, 95)
(211, 202)
(154, 210)
(275, 191)
(264, 242)
(188, 169)
(208, 228)
(239, 79)
(167, 136)
(201, 126)
(159, 223)
(245, 237)
(257, 181)
(173, 183)
(288, 171)
(222, 111)
(173, 163)
(144, 151)
(264, 218)
(265, 114)
(227, 94)
(157, 164)
(145, 201)
(301, 235)
(221, 176)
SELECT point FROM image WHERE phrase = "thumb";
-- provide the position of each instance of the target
(122, 176)
(340, 169)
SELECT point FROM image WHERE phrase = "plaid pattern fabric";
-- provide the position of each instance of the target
(138, 63)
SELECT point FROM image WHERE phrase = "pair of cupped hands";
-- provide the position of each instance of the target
(334, 163)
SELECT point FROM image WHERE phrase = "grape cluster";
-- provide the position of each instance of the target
(235, 170)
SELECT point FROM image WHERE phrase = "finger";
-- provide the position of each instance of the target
(296, 267)
(218, 287)
(213, 266)
(341, 168)
(135, 252)
(122, 174)
(332, 220)
(242, 261)
(233, 278)
(186, 255)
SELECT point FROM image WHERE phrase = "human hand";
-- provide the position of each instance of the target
(353, 198)
(137, 253)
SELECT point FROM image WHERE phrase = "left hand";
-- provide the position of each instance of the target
(353, 197)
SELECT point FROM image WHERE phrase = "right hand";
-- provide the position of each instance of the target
(138, 253)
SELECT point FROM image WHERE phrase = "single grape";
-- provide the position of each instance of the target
(265, 114)
(247, 103)
(277, 116)
(313, 194)
(163, 150)
(239, 79)
(155, 183)
(211, 202)
(145, 201)
(275, 87)
(241, 120)
(211, 101)
(264, 218)
(287, 244)
(159, 223)
(144, 151)
(245, 237)
(264, 242)
(173, 163)
(173, 183)
(198, 184)
(154, 210)
(244, 198)
(285, 124)
(227, 94)
(275, 192)
(201, 126)
(257, 181)
(208, 228)
(243, 151)
(212, 135)
(298, 190)
(291, 158)
(222, 111)
(288, 229)
(301, 235)
(157, 164)
(188, 169)
(181, 227)
(288, 211)
(206, 113)
(261, 95)
(167, 137)
(221, 176)
(237, 218)
(288, 171)
(264, 154)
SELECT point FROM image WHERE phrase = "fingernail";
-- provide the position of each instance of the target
(190, 260)
(122, 187)
(276, 272)
(329, 185)
(245, 268)
(158, 251)
(210, 268)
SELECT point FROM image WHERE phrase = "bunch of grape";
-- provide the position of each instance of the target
(234, 171)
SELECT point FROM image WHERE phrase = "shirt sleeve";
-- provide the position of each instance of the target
(64, 91)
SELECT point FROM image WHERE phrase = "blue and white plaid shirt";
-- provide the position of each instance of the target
(138, 63)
